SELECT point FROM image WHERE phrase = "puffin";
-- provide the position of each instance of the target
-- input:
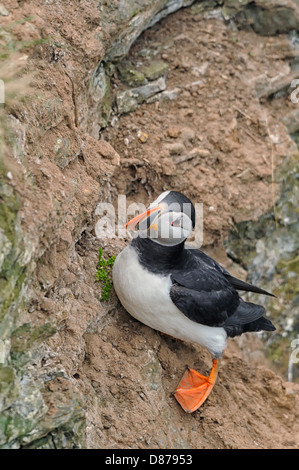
(181, 291)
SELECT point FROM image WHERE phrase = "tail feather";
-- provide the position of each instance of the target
(262, 324)
(243, 285)
(247, 317)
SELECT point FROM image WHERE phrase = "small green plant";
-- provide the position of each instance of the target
(103, 274)
(134, 13)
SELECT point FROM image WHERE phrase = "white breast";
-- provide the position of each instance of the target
(146, 297)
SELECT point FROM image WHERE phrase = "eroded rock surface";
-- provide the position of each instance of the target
(77, 372)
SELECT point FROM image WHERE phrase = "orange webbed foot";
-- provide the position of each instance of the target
(194, 388)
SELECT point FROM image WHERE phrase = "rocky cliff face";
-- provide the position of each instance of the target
(185, 107)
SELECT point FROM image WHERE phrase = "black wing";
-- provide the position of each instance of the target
(203, 291)
(234, 281)
(208, 308)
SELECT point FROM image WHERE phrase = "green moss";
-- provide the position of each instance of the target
(9, 207)
(10, 299)
(12, 272)
(103, 275)
(12, 426)
(46, 442)
(9, 388)
(68, 435)
(155, 69)
(134, 13)
(27, 335)
(200, 8)
(128, 74)
(278, 352)
(27, 424)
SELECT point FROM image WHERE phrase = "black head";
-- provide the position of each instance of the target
(178, 202)
(168, 220)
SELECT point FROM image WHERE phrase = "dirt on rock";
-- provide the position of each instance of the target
(216, 142)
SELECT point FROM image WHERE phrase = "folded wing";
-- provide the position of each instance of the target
(206, 293)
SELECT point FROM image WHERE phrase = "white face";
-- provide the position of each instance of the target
(170, 228)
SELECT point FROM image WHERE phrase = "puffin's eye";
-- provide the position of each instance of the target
(176, 222)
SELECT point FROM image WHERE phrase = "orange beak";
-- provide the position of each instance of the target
(133, 224)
